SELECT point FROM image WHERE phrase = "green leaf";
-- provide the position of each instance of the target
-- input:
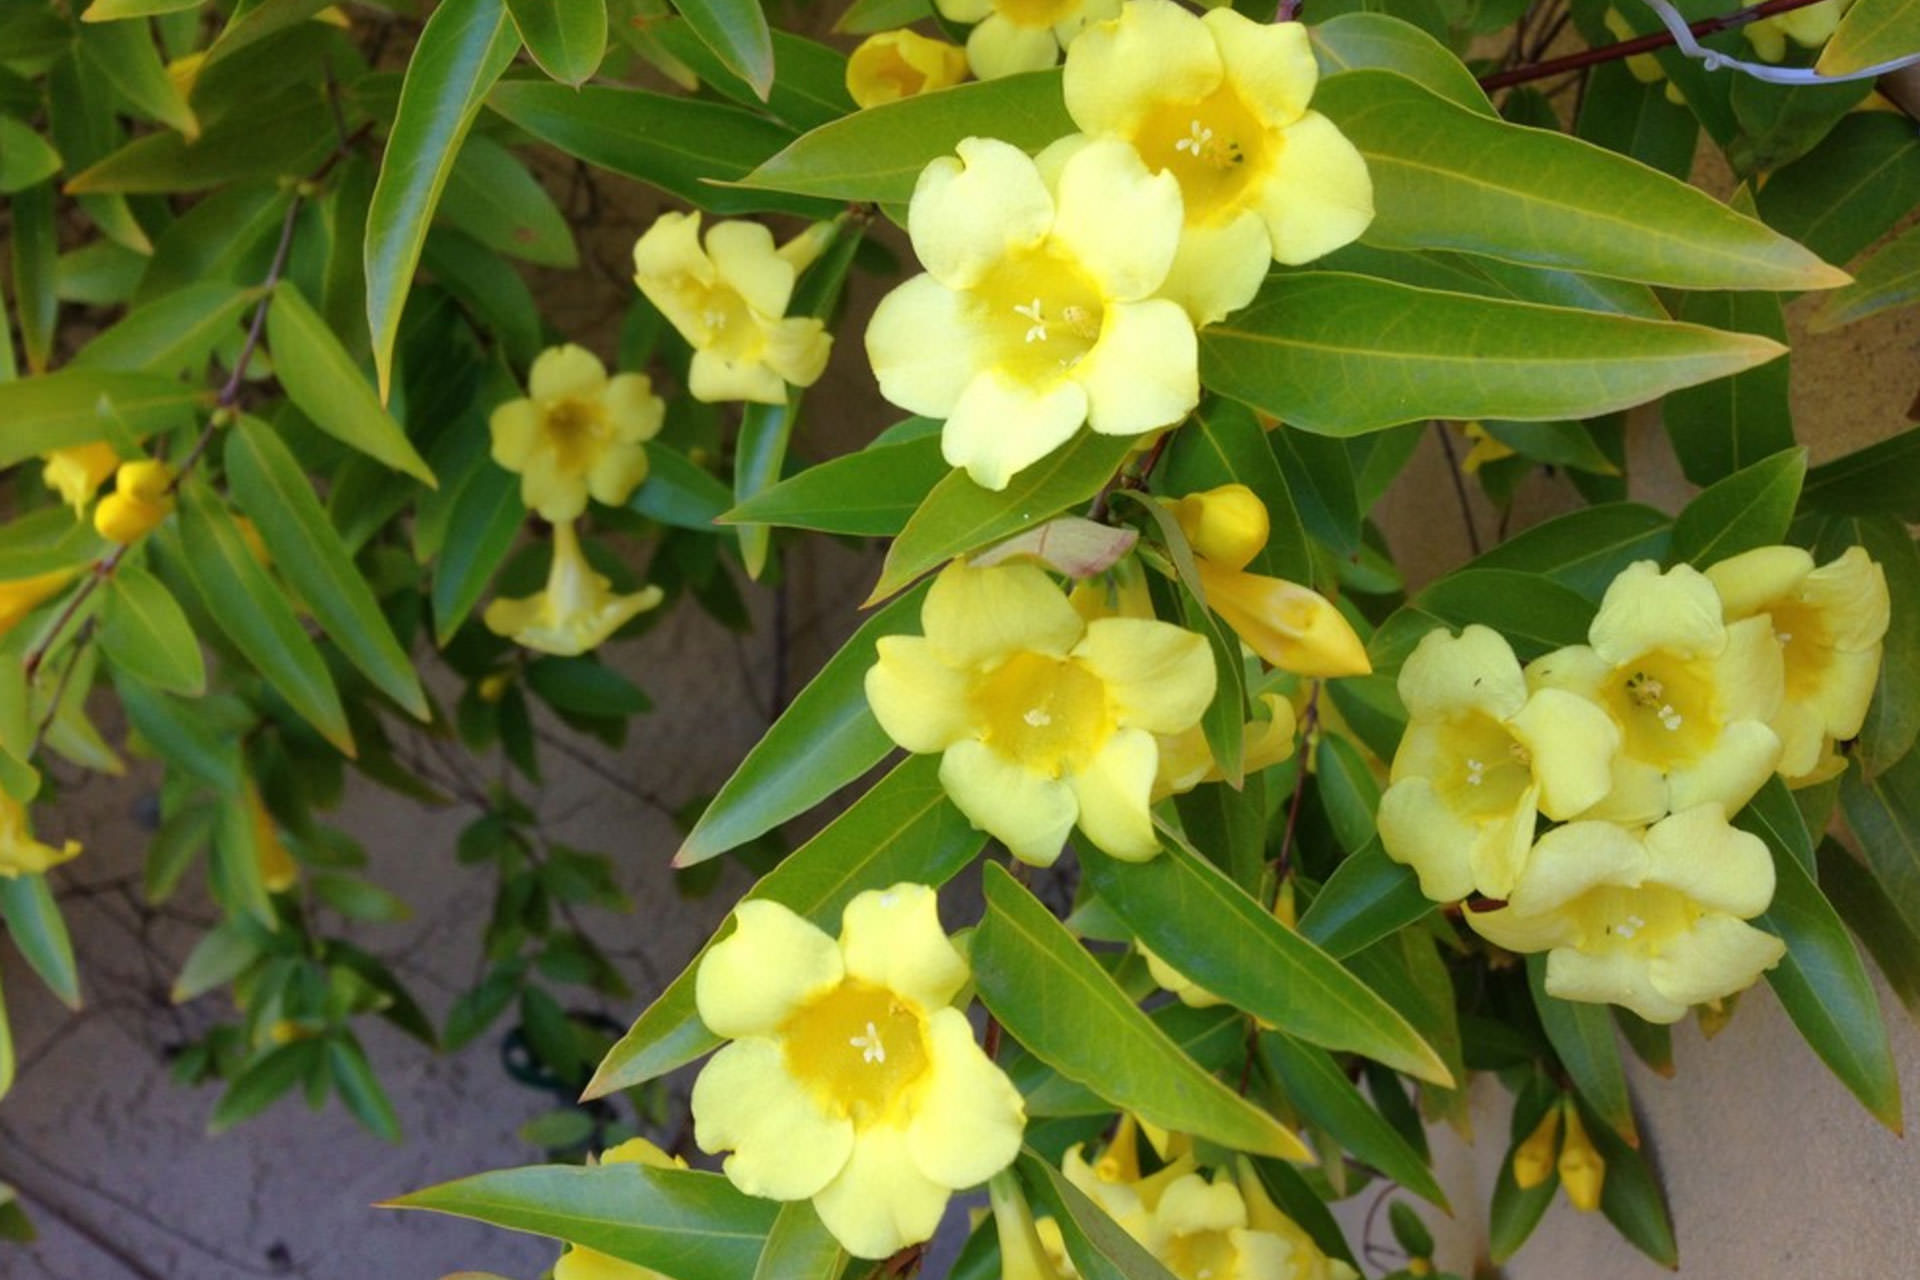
(959, 516)
(873, 492)
(1582, 1035)
(1881, 479)
(251, 608)
(488, 286)
(79, 406)
(1884, 815)
(1585, 549)
(32, 254)
(491, 196)
(223, 953)
(6, 1052)
(877, 154)
(809, 83)
(1225, 444)
(1889, 279)
(359, 1088)
(110, 10)
(270, 487)
(486, 516)
(689, 1225)
(463, 49)
(1535, 614)
(123, 54)
(257, 23)
(863, 17)
(799, 1247)
(1631, 1198)
(1344, 354)
(677, 492)
(326, 385)
(1721, 426)
(1445, 177)
(25, 157)
(1850, 190)
(736, 31)
(1874, 919)
(676, 144)
(264, 1081)
(1750, 508)
(38, 930)
(175, 332)
(287, 135)
(1296, 1197)
(585, 686)
(1514, 1213)
(1213, 1037)
(1320, 1089)
(1096, 1244)
(1319, 474)
(1620, 113)
(1356, 41)
(1558, 444)
(1211, 932)
(1064, 1008)
(1821, 981)
(568, 38)
(204, 751)
(1872, 32)
(1368, 897)
(904, 828)
(825, 739)
(144, 631)
(1348, 791)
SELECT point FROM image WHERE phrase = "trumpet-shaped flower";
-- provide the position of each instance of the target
(1220, 102)
(22, 596)
(20, 852)
(576, 612)
(729, 300)
(1043, 719)
(581, 1263)
(1187, 760)
(1691, 693)
(576, 432)
(77, 472)
(1583, 1170)
(1653, 920)
(850, 1080)
(1021, 35)
(1294, 628)
(142, 497)
(891, 65)
(1829, 623)
(1533, 1159)
(1036, 312)
(1809, 28)
(1481, 759)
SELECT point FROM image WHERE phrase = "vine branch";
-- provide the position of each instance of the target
(1639, 44)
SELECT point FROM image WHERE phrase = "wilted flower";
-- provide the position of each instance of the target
(729, 300)
(576, 612)
(142, 497)
(1220, 102)
(576, 432)
(1021, 35)
(1043, 719)
(891, 65)
(77, 472)
(1036, 312)
(20, 853)
(851, 1080)
(580, 1263)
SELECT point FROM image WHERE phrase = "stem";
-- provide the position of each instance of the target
(1639, 44)
(1459, 486)
(1309, 720)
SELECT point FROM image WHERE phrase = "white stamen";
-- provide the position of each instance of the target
(1037, 719)
(1783, 637)
(870, 1047)
(714, 319)
(1037, 332)
(1196, 141)
(1668, 716)
(1630, 926)
(1475, 772)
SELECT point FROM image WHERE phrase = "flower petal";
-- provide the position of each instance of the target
(969, 1118)
(1645, 610)
(752, 980)
(919, 700)
(1270, 65)
(797, 349)
(1739, 763)
(1144, 372)
(1417, 828)
(881, 1202)
(633, 410)
(1754, 581)
(514, 426)
(744, 258)
(1000, 427)
(616, 473)
(976, 617)
(1610, 977)
(1119, 221)
(1717, 957)
(566, 370)
(968, 213)
(1219, 266)
(1321, 198)
(923, 346)
(1112, 791)
(1119, 71)
(1850, 593)
(1029, 814)
(1569, 860)
(999, 47)
(892, 938)
(1159, 677)
(785, 1146)
(712, 379)
(1749, 676)
(1717, 865)
(1448, 675)
(1572, 742)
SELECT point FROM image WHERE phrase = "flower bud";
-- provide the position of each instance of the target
(1227, 525)
(891, 65)
(140, 500)
(1582, 1170)
(1533, 1158)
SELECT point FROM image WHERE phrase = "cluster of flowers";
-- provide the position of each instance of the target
(1693, 690)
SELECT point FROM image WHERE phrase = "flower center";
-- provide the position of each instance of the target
(722, 321)
(1037, 13)
(1048, 715)
(1216, 147)
(1491, 769)
(859, 1049)
(1202, 1255)
(1043, 312)
(1665, 708)
(1806, 648)
(1641, 921)
(575, 430)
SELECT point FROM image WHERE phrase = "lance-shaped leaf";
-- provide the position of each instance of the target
(1356, 41)
(1721, 426)
(1367, 897)
(678, 492)
(1344, 354)
(486, 516)
(1872, 32)
(1057, 1001)
(1884, 814)
(1582, 1034)
(1210, 931)
(1631, 1197)
(873, 492)
(464, 47)
(1586, 549)
(270, 487)
(1850, 190)
(904, 828)
(32, 252)
(492, 197)
(1750, 508)
(877, 154)
(809, 83)
(144, 631)
(1318, 1087)
(79, 406)
(123, 54)
(1099, 1248)
(1536, 614)
(1889, 279)
(799, 1247)
(37, 928)
(689, 1225)
(568, 38)
(325, 384)
(25, 157)
(252, 609)
(174, 332)
(736, 31)
(1214, 1037)
(1445, 177)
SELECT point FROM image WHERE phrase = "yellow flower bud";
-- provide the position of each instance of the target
(1533, 1158)
(21, 596)
(891, 65)
(1485, 448)
(1582, 1170)
(278, 870)
(140, 500)
(19, 851)
(1023, 1253)
(1227, 525)
(493, 686)
(76, 473)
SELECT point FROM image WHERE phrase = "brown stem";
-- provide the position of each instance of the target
(1639, 44)
(1309, 719)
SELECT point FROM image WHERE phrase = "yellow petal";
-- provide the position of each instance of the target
(1168, 978)
(892, 938)
(1739, 763)
(77, 472)
(773, 962)
(1118, 71)
(1612, 977)
(514, 426)
(1711, 961)
(1219, 266)
(1029, 814)
(973, 617)
(890, 65)
(964, 10)
(641, 1152)
(921, 701)
(1144, 371)
(1570, 860)
(881, 1202)
(1292, 627)
(969, 1118)
(968, 212)
(999, 427)
(744, 258)
(1159, 677)
(1420, 830)
(797, 349)
(1448, 675)
(1111, 792)
(924, 346)
(1582, 1171)
(1754, 580)
(633, 410)
(785, 1147)
(1270, 65)
(1119, 221)
(1321, 197)
(566, 371)
(1850, 594)
(1534, 1157)
(1716, 865)
(1227, 524)
(1645, 610)
(1572, 742)
(998, 47)
(616, 473)
(712, 379)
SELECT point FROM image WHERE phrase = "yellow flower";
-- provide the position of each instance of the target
(1028, 1250)
(580, 1263)
(577, 611)
(1481, 759)
(142, 497)
(576, 432)
(1036, 312)
(278, 870)
(850, 1080)
(1691, 694)
(76, 473)
(1292, 627)
(1186, 759)
(1044, 719)
(891, 65)
(1485, 448)
(1829, 623)
(728, 300)
(23, 595)
(1220, 102)
(1583, 1171)
(1809, 28)
(1021, 35)
(1533, 1159)
(1654, 920)
(20, 853)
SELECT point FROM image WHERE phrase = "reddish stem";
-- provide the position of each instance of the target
(1639, 44)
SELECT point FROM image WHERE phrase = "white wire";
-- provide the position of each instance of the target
(1676, 26)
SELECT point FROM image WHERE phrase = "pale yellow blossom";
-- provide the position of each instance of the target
(1021, 35)
(20, 852)
(576, 432)
(891, 65)
(576, 612)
